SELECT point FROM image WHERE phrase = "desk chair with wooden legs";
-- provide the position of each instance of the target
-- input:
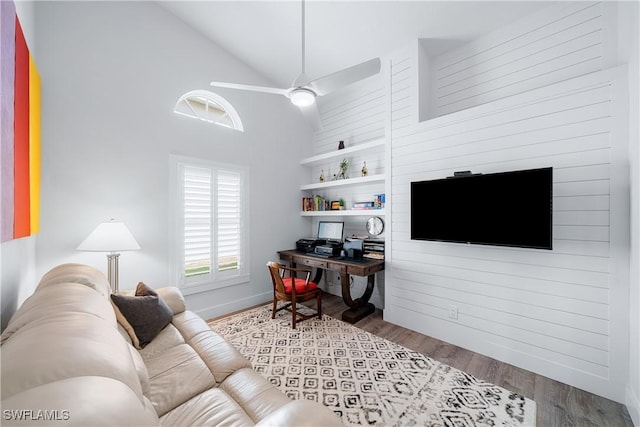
(293, 289)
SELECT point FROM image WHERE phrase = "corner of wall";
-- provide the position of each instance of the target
(424, 82)
(17, 274)
(633, 406)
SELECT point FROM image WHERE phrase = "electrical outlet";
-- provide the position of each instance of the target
(453, 312)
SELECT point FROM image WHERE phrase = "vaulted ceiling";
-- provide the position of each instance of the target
(266, 35)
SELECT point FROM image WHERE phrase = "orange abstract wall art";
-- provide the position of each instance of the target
(19, 130)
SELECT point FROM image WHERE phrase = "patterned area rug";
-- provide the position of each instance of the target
(366, 379)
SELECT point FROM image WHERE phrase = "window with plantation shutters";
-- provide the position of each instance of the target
(197, 207)
(229, 225)
(211, 234)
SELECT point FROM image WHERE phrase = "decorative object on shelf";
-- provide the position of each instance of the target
(342, 204)
(364, 171)
(344, 166)
(375, 226)
(335, 205)
(322, 175)
(363, 205)
(340, 145)
(111, 237)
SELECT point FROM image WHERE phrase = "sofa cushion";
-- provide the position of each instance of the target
(177, 375)
(168, 338)
(76, 273)
(51, 301)
(173, 297)
(78, 338)
(301, 413)
(81, 401)
(143, 316)
(213, 407)
(218, 354)
(257, 396)
(141, 369)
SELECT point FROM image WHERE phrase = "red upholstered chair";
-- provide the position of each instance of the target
(293, 289)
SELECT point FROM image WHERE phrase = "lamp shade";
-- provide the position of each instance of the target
(112, 236)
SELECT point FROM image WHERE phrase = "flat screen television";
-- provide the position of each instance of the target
(502, 209)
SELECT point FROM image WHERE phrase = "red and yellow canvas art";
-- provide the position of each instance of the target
(19, 129)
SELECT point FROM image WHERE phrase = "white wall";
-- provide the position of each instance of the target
(561, 41)
(561, 313)
(355, 115)
(111, 75)
(18, 256)
(629, 31)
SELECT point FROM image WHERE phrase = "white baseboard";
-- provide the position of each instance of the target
(235, 305)
(632, 403)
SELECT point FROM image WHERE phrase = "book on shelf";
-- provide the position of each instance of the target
(362, 205)
(378, 200)
(315, 203)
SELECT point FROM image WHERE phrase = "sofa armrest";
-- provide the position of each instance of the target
(301, 413)
(173, 297)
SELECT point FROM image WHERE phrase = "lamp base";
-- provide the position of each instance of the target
(112, 271)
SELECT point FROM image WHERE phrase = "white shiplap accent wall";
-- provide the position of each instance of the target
(560, 42)
(355, 115)
(560, 313)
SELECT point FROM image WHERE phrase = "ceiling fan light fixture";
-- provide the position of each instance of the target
(302, 97)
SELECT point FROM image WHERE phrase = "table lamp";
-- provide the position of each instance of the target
(112, 237)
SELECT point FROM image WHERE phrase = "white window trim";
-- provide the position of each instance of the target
(176, 229)
(234, 117)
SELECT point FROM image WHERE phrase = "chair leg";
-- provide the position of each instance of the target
(275, 304)
(293, 313)
(319, 305)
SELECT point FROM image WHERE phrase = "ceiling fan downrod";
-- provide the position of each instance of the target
(300, 96)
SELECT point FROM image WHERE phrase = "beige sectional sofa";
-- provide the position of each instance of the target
(66, 361)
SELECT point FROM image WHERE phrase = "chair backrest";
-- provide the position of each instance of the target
(276, 279)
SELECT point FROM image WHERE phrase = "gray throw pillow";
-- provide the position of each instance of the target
(143, 316)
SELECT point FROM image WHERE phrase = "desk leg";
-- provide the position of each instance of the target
(360, 307)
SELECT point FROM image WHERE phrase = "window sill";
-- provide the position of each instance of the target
(197, 288)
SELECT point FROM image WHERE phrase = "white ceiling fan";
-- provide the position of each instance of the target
(303, 92)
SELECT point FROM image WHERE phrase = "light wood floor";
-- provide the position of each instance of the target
(557, 404)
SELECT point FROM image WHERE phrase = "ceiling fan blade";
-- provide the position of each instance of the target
(284, 92)
(312, 115)
(339, 79)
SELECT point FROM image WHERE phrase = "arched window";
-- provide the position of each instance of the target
(209, 107)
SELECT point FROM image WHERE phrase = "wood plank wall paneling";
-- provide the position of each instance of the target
(547, 311)
(560, 42)
(355, 115)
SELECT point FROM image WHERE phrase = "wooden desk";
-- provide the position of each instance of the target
(358, 308)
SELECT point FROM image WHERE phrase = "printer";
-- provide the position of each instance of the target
(329, 240)
(308, 245)
(329, 249)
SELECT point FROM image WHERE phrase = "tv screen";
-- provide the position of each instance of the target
(503, 209)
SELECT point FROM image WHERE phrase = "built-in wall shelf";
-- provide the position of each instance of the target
(344, 182)
(349, 212)
(377, 144)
